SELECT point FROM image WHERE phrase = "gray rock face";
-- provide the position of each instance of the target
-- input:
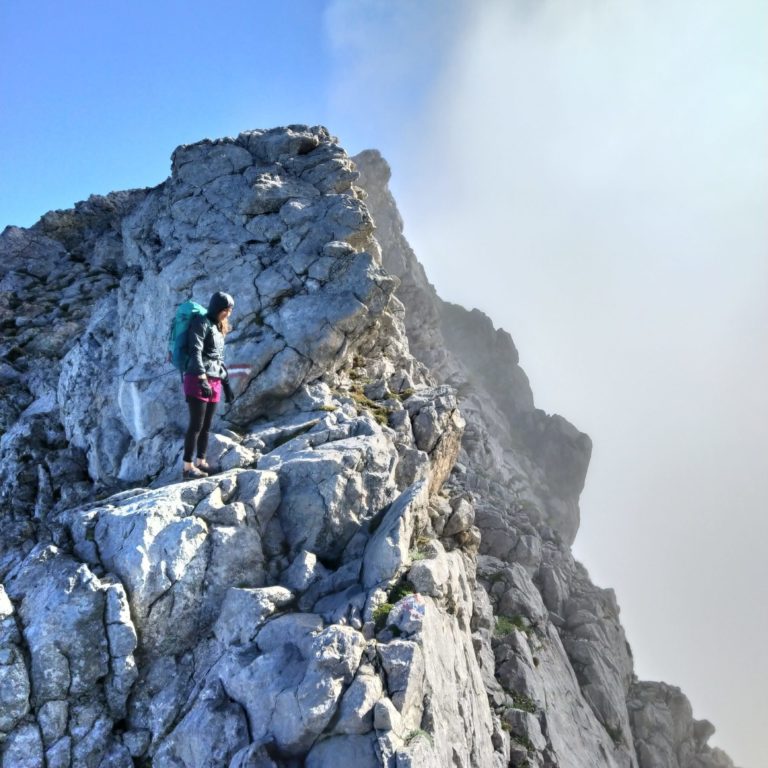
(80, 645)
(380, 574)
(513, 446)
(175, 557)
(665, 731)
(14, 680)
(52, 277)
(388, 548)
(320, 485)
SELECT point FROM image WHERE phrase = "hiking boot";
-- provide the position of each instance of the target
(193, 474)
(209, 469)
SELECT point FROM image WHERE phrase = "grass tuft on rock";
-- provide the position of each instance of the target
(381, 614)
(505, 625)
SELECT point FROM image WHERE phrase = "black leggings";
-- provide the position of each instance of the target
(200, 418)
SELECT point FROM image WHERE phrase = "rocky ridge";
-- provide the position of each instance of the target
(392, 525)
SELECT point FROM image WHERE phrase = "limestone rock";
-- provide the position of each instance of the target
(386, 717)
(211, 734)
(387, 551)
(14, 678)
(244, 610)
(295, 630)
(330, 490)
(356, 712)
(408, 615)
(23, 748)
(344, 750)
(175, 565)
(254, 756)
(437, 429)
(303, 572)
(69, 649)
(462, 518)
(509, 438)
(403, 663)
(665, 732)
(53, 718)
(302, 694)
(217, 204)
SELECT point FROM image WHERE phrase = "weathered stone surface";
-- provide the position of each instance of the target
(505, 448)
(354, 750)
(665, 732)
(14, 678)
(213, 731)
(23, 748)
(158, 701)
(357, 705)
(266, 225)
(510, 442)
(386, 716)
(420, 675)
(440, 576)
(53, 717)
(303, 572)
(290, 630)
(60, 754)
(403, 663)
(526, 726)
(333, 583)
(254, 756)
(330, 490)
(244, 610)
(513, 592)
(387, 551)
(419, 751)
(69, 648)
(14, 690)
(437, 429)
(176, 565)
(462, 518)
(408, 615)
(461, 727)
(290, 692)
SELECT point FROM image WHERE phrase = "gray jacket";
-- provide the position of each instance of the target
(205, 345)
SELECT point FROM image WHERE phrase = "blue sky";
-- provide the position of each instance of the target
(593, 174)
(96, 95)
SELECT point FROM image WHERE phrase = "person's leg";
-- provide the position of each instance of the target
(197, 410)
(202, 438)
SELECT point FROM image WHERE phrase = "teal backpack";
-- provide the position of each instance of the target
(177, 338)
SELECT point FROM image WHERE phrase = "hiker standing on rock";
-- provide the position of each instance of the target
(204, 379)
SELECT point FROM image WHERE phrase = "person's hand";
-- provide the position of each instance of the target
(205, 388)
(229, 395)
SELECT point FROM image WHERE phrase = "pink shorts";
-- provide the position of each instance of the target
(192, 388)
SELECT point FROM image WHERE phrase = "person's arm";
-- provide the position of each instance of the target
(198, 327)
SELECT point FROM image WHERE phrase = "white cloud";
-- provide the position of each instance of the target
(595, 177)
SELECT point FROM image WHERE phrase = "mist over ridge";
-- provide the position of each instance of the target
(593, 178)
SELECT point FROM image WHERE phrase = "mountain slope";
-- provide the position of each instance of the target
(392, 526)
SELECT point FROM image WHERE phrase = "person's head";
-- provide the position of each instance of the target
(219, 309)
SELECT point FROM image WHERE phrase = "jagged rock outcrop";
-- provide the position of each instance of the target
(391, 525)
(542, 458)
(666, 732)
